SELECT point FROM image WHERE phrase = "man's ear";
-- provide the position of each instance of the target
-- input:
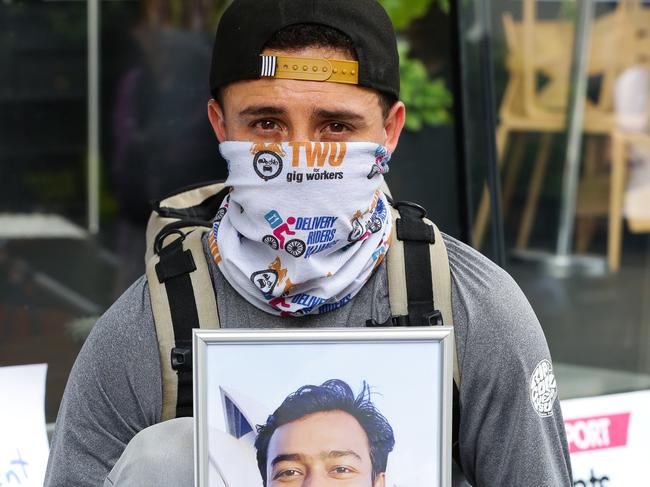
(380, 480)
(217, 120)
(394, 124)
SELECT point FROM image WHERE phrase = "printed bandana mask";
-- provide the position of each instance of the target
(305, 223)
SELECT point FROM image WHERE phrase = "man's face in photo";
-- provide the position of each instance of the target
(321, 449)
(280, 110)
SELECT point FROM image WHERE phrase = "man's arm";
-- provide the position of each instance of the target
(511, 427)
(113, 392)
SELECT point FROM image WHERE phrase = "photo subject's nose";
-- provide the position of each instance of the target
(312, 481)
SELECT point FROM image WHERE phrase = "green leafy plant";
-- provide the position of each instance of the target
(427, 100)
(403, 12)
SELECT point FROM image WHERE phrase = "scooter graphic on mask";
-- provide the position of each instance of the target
(361, 231)
(294, 247)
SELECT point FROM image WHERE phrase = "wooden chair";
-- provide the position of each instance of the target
(620, 144)
(541, 48)
(619, 39)
(634, 50)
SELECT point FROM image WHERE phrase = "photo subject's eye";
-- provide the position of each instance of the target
(342, 471)
(287, 473)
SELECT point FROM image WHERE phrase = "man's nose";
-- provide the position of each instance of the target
(302, 131)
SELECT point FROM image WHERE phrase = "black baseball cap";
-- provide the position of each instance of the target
(247, 25)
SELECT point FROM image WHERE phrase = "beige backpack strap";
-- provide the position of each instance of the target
(440, 277)
(441, 280)
(396, 273)
(206, 306)
(165, 333)
(206, 301)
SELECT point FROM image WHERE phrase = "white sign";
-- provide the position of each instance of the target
(609, 439)
(23, 437)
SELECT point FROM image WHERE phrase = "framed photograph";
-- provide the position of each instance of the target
(354, 406)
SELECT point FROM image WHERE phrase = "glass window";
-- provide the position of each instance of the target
(572, 137)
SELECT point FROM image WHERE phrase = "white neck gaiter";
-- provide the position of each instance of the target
(305, 223)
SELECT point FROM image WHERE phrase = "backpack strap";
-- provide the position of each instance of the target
(182, 298)
(180, 286)
(419, 283)
(419, 278)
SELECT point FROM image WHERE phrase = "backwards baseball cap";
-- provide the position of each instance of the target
(247, 25)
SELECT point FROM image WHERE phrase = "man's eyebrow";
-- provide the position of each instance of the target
(286, 457)
(262, 110)
(341, 453)
(345, 115)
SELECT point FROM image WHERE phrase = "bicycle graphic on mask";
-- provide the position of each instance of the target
(281, 229)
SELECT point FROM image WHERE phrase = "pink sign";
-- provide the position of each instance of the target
(597, 433)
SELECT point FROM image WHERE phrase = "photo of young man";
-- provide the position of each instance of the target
(324, 435)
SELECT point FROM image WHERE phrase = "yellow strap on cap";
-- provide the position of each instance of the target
(310, 69)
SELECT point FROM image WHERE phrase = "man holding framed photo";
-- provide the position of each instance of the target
(305, 106)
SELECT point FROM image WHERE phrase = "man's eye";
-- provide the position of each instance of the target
(267, 125)
(337, 128)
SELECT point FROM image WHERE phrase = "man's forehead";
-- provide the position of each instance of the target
(309, 96)
(282, 92)
(318, 433)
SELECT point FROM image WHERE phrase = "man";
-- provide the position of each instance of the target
(274, 82)
(323, 435)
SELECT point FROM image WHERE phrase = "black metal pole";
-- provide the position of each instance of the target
(489, 126)
(463, 180)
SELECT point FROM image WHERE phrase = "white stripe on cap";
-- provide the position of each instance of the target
(268, 66)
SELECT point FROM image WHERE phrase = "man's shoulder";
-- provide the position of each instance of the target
(121, 348)
(489, 306)
(129, 315)
(469, 267)
(480, 283)
(125, 330)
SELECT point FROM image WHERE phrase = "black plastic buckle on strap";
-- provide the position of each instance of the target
(410, 225)
(417, 210)
(181, 359)
(174, 262)
(434, 318)
(431, 318)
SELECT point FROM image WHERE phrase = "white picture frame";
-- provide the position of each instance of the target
(242, 376)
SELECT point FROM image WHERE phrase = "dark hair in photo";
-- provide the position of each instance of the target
(332, 395)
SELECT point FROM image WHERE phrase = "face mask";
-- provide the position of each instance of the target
(305, 223)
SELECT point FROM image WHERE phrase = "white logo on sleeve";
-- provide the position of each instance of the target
(543, 389)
